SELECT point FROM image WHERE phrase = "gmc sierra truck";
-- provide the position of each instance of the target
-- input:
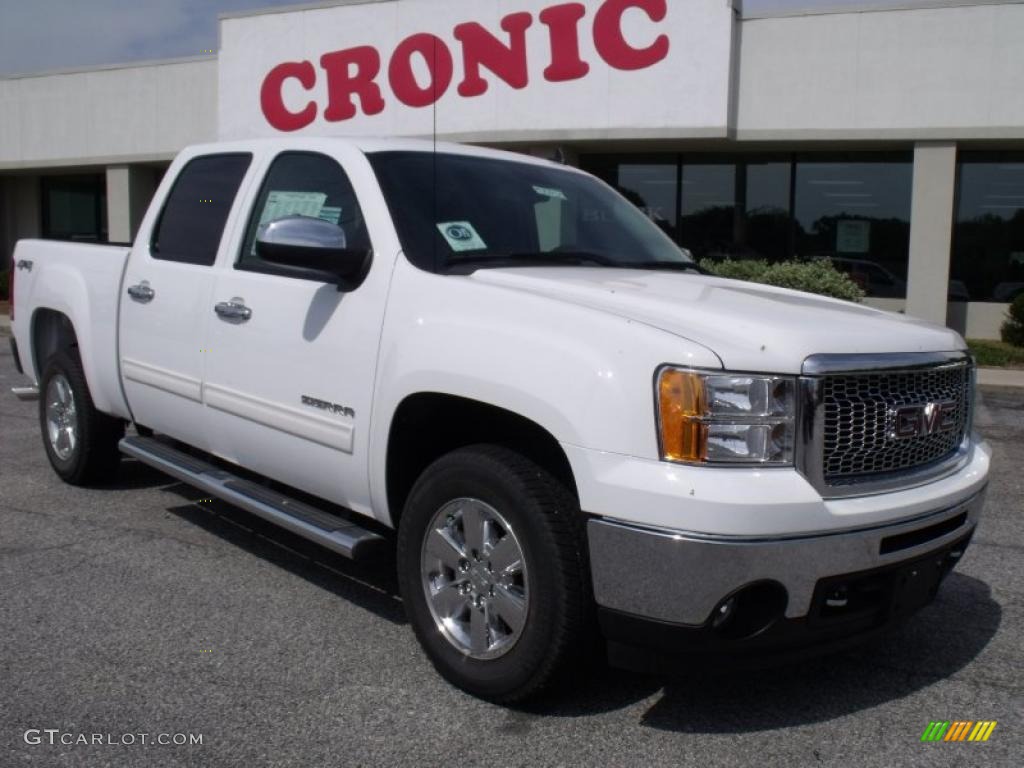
(503, 368)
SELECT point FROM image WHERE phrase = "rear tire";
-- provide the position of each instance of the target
(80, 442)
(498, 630)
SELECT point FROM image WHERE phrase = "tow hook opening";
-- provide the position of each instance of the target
(749, 610)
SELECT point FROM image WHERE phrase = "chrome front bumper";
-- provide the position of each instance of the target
(680, 577)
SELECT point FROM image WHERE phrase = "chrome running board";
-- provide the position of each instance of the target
(331, 531)
(25, 393)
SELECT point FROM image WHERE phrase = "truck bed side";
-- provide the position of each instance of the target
(82, 282)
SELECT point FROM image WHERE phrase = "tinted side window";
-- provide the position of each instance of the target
(192, 221)
(304, 184)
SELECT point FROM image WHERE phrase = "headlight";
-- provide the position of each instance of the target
(724, 418)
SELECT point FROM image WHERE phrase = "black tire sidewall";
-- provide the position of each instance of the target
(97, 433)
(470, 474)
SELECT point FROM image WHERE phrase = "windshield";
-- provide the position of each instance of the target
(455, 211)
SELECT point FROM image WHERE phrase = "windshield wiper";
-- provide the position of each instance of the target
(567, 257)
(556, 258)
(672, 266)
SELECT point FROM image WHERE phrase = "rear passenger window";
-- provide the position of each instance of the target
(304, 184)
(192, 221)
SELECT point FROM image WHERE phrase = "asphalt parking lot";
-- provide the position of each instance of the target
(142, 609)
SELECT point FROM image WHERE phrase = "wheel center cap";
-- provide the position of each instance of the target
(480, 578)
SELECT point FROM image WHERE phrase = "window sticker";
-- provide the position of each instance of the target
(853, 236)
(552, 192)
(461, 236)
(281, 203)
(331, 214)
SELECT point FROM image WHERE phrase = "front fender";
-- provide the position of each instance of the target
(584, 375)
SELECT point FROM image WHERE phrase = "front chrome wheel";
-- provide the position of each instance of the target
(61, 417)
(475, 578)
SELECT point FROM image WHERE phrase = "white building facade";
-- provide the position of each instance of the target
(888, 138)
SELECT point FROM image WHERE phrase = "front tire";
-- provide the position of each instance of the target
(80, 442)
(493, 572)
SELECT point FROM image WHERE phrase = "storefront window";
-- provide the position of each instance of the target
(74, 208)
(856, 212)
(651, 184)
(765, 196)
(988, 238)
(709, 223)
(853, 209)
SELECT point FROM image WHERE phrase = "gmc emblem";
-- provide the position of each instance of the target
(922, 420)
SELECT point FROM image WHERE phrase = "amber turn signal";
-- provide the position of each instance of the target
(681, 401)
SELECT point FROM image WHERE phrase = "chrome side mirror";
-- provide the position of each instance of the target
(313, 249)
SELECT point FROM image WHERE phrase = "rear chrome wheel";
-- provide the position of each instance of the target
(475, 578)
(80, 442)
(61, 417)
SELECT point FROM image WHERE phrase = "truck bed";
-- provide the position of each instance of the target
(82, 281)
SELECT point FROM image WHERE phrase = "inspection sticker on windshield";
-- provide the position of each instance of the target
(551, 192)
(461, 236)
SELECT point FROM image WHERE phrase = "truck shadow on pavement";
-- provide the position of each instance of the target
(370, 585)
(933, 645)
(133, 475)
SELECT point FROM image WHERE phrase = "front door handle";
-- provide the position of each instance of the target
(233, 310)
(141, 292)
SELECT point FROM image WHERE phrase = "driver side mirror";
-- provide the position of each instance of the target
(313, 249)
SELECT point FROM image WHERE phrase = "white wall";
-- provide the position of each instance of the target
(684, 94)
(940, 73)
(98, 116)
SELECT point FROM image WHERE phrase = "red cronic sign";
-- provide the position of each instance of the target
(356, 77)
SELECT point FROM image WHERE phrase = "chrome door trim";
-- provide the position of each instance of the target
(167, 381)
(233, 310)
(336, 431)
(142, 292)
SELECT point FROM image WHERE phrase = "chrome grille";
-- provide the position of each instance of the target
(859, 421)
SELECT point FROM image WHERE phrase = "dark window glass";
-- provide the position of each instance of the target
(709, 222)
(652, 188)
(766, 227)
(650, 183)
(192, 221)
(74, 208)
(855, 211)
(304, 184)
(988, 239)
(728, 208)
(456, 209)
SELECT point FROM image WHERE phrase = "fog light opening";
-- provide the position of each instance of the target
(838, 597)
(750, 610)
(723, 612)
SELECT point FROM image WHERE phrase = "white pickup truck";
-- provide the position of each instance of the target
(575, 434)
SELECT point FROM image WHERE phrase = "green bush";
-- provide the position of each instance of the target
(1013, 328)
(996, 354)
(818, 276)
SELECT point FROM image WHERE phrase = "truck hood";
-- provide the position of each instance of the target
(749, 327)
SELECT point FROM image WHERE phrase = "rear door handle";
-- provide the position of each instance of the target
(141, 292)
(233, 310)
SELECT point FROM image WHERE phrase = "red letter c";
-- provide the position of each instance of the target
(612, 44)
(272, 101)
